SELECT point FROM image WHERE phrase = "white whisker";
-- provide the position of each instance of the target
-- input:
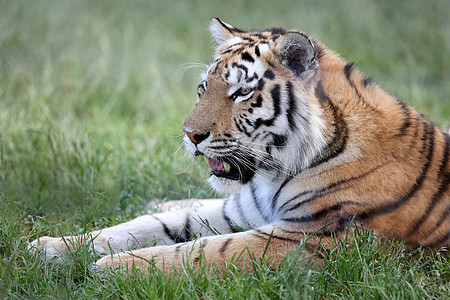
(186, 67)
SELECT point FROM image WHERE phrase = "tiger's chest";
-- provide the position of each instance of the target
(262, 201)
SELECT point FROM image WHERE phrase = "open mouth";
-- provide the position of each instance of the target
(223, 169)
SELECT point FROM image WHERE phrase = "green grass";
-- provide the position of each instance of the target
(92, 99)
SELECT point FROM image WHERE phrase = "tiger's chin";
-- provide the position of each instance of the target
(224, 185)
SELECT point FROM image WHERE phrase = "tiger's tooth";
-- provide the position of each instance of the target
(206, 159)
(226, 166)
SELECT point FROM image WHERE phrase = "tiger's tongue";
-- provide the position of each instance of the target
(214, 164)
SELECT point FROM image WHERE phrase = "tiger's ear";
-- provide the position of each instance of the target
(297, 52)
(221, 31)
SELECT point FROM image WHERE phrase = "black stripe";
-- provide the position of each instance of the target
(337, 226)
(275, 93)
(348, 69)
(304, 219)
(237, 199)
(322, 232)
(341, 224)
(274, 37)
(229, 140)
(277, 194)
(444, 216)
(440, 241)
(239, 128)
(257, 51)
(220, 148)
(406, 119)
(303, 202)
(174, 237)
(287, 202)
(247, 57)
(187, 228)
(336, 207)
(256, 201)
(227, 75)
(443, 181)
(271, 235)
(224, 215)
(225, 246)
(226, 51)
(292, 108)
(258, 102)
(367, 81)
(428, 143)
(248, 39)
(260, 84)
(231, 223)
(258, 36)
(216, 67)
(275, 31)
(254, 77)
(240, 66)
(230, 29)
(339, 142)
(269, 74)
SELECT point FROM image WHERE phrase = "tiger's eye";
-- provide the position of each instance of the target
(245, 91)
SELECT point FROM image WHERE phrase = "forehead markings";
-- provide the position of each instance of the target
(243, 50)
(217, 64)
(247, 57)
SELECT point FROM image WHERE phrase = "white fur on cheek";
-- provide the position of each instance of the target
(189, 145)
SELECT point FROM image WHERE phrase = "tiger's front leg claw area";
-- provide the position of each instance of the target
(141, 259)
(53, 248)
(56, 249)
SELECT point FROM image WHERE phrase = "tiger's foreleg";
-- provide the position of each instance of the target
(165, 228)
(268, 243)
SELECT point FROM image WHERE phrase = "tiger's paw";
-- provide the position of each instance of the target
(56, 249)
(160, 257)
(53, 248)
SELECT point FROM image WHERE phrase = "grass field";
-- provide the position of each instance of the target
(92, 98)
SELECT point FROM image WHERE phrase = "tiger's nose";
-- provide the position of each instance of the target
(195, 136)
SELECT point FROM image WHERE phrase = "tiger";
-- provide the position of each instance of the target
(301, 142)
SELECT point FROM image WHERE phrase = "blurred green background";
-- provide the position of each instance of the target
(93, 93)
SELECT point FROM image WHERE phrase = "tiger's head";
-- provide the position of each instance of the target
(253, 116)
